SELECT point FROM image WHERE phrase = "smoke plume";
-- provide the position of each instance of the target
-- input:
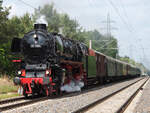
(42, 20)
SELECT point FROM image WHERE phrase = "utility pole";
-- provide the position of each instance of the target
(108, 28)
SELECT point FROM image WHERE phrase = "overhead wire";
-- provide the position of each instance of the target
(27, 4)
(118, 13)
(131, 29)
(127, 18)
(126, 15)
(127, 24)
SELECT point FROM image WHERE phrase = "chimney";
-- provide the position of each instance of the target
(40, 26)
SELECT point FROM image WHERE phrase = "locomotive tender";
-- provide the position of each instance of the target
(52, 63)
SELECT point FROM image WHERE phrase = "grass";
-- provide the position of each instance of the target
(4, 96)
(7, 88)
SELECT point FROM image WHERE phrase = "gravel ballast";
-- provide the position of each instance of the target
(113, 104)
(134, 103)
(71, 103)
(143, 105)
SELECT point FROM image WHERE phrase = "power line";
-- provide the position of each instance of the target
(125, 14)
(27, 4)
(128, 25)
(117, 11)
(108, 43)
(111, 48)
(130, 29)
(143, 56)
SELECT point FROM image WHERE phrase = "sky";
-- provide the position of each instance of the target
(130, 18)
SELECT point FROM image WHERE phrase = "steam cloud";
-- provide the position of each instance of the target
(73, 86)
(42, 20)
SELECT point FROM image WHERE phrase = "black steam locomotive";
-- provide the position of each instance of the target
(50, 61)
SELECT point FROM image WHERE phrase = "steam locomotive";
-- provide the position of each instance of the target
(53, 64)
(50, 62)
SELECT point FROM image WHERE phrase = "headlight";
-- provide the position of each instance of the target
(19, 72)
(47, 72)
(34, 35)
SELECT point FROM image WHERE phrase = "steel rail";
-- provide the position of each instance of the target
(127, 103)
(11, 100)
(22, 104)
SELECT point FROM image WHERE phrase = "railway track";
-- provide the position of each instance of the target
(11, 100)
(127, 103)
(18, 102)
(122, 108)
(12, 103)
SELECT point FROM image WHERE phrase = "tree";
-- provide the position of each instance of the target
(103, 44)
(128, 60)
(14, 27)
(18, 26)
(4, 12)
(69, 27)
